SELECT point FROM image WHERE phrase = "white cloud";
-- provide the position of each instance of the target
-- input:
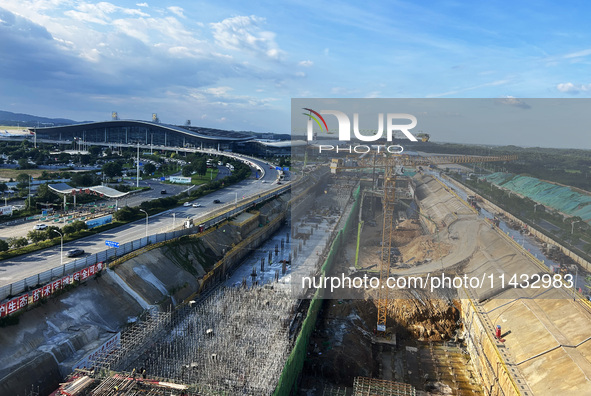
(300, 74)
(573, 89)
(244, 33)
(457, 91)
(578, 54)
(142, 4)
(306, 63)
(100, 13)
(218, 91)
(177, 11)
(513, 101)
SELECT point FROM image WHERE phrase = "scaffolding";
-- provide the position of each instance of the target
(363, 386)
(234, 342)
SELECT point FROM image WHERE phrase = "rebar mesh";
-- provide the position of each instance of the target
(234, 342)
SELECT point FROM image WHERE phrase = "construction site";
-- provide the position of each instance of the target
(254, 314)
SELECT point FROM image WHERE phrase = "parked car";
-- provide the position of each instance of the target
(74, 252)
(40, 227)
(196, 205)
(217, 201)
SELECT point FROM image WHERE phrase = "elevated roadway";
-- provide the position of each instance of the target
(20, 267)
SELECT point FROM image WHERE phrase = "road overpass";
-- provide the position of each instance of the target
(21, 267)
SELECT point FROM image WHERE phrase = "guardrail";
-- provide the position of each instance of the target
(223, 214)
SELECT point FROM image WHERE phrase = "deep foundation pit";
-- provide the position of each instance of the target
(424, 345)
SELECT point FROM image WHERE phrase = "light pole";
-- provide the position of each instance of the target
(137, 179)
(30, 179)
(61, 247)
(572, 228)
(141, 210)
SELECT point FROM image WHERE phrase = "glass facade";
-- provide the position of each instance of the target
(130, 132)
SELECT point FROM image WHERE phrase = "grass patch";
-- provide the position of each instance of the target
(13, 173)
(210, 175)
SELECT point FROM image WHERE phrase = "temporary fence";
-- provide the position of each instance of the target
(27, 283)
(295, 363)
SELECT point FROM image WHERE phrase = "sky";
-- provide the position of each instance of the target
(236, 65)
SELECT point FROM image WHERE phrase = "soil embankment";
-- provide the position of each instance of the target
(56, 335)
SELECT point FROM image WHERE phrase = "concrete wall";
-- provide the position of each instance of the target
(54, 336)
(233, 257)
(494, 374)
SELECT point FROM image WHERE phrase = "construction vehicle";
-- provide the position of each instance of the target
(423, 137)
(390, 164)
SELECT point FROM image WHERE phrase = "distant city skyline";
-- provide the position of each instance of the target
(237, 65)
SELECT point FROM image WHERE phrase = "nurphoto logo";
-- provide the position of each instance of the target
(344, 130)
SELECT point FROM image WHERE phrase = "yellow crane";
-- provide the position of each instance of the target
(390, 164)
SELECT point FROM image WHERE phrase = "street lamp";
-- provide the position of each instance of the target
(141, 210)
(572, 229)
(61, 247)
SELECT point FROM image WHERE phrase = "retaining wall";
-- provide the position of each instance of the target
(484, 351)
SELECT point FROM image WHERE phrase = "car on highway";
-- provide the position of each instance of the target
(75, 252)
(187, 204)
(196, 205)
(217, 201)
(40, 227)
(163, 192)
(264, 181)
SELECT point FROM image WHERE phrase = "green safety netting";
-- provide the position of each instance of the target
(295, 361)
(564, 199)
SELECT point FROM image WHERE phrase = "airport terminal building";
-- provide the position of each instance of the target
(145, 133)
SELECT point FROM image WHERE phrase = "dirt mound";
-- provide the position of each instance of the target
(406, 231)
(422, 248)
(423, 317)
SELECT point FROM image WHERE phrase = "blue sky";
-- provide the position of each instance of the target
(236, 65)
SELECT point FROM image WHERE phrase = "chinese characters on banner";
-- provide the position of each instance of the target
(21, 302)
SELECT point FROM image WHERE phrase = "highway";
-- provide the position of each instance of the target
(13, 270)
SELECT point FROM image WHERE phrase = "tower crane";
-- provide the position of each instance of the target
(390, 164)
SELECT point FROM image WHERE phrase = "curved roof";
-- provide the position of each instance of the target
(197, 132)
(63, 188)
